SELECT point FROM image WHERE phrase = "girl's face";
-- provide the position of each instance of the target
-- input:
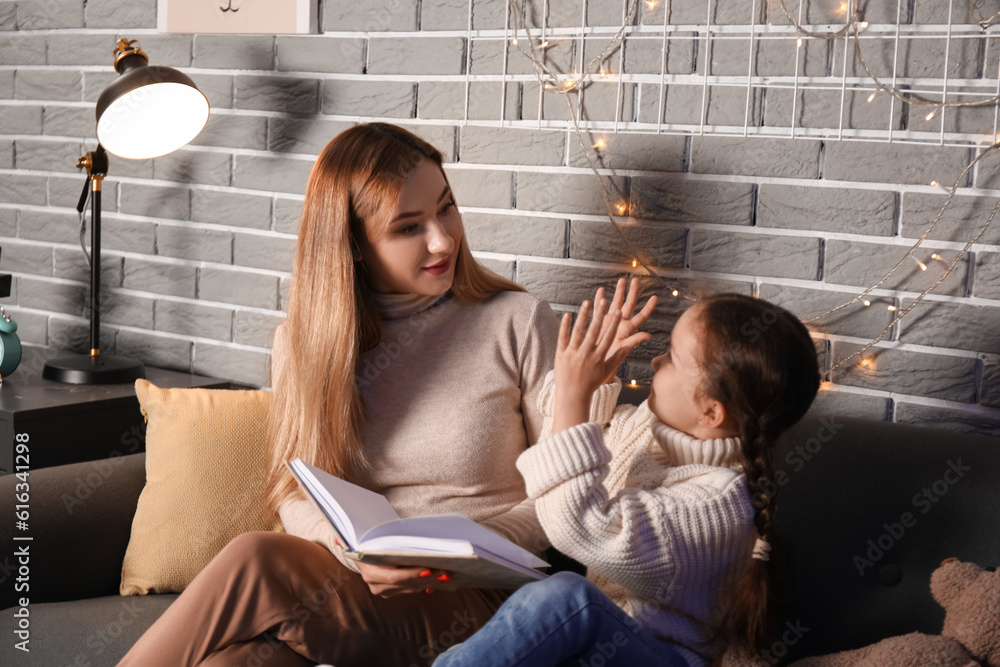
(417, 252)
(676, 397)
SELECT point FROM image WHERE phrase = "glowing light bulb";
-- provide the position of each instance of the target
(545, 44)
(863, 25)
(600, 145)
(868, 362)
(937, 257)
(872, 96)
(843, 7)
(675, 292)
(893, 309)
(632, 382)
(867, 303)
(930, 115)
(635, 263)
(621, 208)
(568, 83)
(936, 184)
(652, 4)
(798, 42)
(514, 41)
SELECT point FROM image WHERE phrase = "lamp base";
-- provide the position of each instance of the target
(88, 369)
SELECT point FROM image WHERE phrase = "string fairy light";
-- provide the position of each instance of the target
(904, 312)
(555, 82)
(567, 85)
(923, 237)
(854, 24)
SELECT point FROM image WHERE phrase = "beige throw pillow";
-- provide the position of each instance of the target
(205, 452)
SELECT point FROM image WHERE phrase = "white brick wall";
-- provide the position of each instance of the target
(199, 244)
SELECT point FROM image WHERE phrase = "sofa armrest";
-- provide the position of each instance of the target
(80, 522)
(870, 509)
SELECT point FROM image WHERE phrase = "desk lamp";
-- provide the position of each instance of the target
(146, 112)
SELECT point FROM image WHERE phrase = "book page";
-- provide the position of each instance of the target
(397, 535)
(357, 508)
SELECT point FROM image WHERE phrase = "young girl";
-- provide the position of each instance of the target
(404, 366)
(656, 500)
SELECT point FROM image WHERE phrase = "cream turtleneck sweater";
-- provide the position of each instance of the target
(663, 521)
(451, 396)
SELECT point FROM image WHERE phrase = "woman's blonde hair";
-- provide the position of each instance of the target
(317, 411)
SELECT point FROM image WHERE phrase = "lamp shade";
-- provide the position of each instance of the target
(149, 110)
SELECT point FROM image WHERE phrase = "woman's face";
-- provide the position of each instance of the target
(417, 252)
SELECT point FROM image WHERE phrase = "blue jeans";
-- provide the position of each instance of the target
(564, 620)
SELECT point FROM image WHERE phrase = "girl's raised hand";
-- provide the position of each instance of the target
(582, 360)
(628, 334)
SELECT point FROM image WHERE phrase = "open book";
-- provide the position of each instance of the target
(372, 530)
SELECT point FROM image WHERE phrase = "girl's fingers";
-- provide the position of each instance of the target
(619, 298)
(609, 332)
(579, 327)
(596, 323)
(633, 298)
(635, 339)
(564, 331)
(644, 314)
(611, 323)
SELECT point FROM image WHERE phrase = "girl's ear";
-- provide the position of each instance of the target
(713, 413)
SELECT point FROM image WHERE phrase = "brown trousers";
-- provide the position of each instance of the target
(275, 600)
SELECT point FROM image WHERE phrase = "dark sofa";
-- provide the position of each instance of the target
(869, 509)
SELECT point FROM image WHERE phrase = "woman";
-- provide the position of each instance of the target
(405, 367)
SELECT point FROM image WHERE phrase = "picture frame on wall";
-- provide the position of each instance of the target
(247, 17)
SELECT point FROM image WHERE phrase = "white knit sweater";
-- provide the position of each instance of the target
(662, 521)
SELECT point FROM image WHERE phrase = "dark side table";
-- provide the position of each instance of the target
(67, 423)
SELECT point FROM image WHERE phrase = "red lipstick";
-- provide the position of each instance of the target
(439, 268)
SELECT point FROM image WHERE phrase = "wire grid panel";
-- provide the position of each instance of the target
(741, 68)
